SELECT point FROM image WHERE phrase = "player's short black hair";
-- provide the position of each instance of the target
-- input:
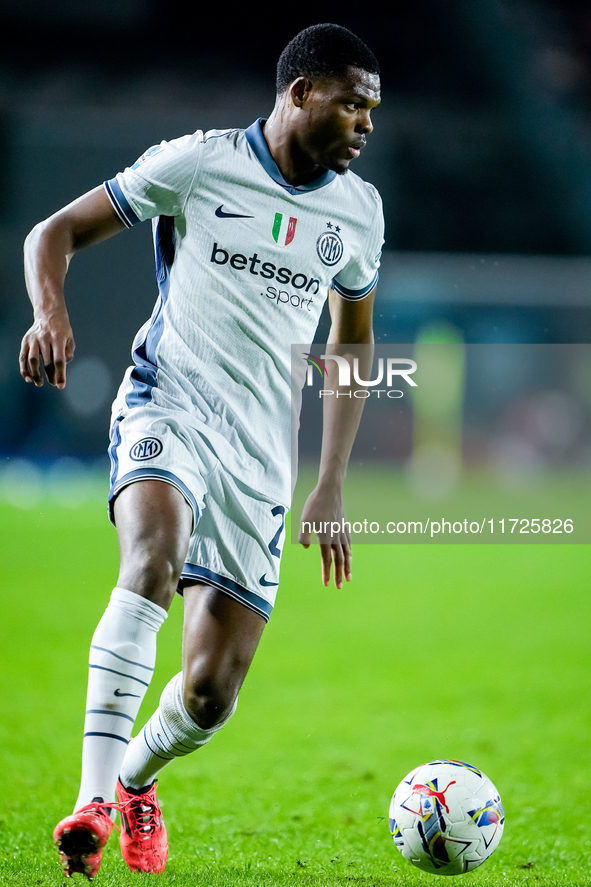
(323, 51)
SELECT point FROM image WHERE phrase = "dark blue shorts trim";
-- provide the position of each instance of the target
(192, 574)
(152, 474)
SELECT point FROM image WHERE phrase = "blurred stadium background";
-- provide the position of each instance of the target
(482, 152)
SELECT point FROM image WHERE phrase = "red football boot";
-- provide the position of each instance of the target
(144, 845)
(81, 837)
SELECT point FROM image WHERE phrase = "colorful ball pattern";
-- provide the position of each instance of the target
(446, 817)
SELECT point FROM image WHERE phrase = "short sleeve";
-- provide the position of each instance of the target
(158, 183)
(360, 275)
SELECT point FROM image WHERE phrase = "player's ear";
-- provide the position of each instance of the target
(299, 91)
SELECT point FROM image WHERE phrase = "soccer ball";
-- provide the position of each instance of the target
(446, 817)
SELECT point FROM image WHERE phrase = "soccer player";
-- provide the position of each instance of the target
(253, 230)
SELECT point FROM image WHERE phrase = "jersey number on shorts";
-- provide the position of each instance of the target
(279, 509)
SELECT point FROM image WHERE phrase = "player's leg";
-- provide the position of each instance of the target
(226, 605)
(220, 637)
(154, 524)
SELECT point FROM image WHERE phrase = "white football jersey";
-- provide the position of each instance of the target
(244, 261)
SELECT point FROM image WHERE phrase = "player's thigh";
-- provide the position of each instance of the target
(154, 523)
(220, 638)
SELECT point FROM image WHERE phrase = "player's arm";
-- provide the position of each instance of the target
(48, 250)
(351, 324)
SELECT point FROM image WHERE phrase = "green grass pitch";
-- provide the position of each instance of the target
(473, 652)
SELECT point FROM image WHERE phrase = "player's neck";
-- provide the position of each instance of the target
(295, 166)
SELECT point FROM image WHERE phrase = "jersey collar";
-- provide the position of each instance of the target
(258, 143)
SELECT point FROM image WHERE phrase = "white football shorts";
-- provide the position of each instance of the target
(237, 535)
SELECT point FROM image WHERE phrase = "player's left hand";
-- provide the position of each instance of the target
(324, 509)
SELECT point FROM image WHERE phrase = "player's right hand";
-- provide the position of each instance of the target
(48, 343)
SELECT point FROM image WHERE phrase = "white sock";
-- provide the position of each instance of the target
(122, 658)
(170, 733)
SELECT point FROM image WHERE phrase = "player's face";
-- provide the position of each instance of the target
(339, 118)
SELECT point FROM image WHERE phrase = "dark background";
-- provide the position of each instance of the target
(481, 150)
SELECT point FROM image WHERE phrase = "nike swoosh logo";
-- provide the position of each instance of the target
(222, 215)
(119, 693)
(263, 581)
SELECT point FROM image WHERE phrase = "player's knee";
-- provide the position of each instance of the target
(150, 573)
(206, 701)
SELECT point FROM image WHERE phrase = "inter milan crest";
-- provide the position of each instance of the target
(329, 245)
(284, 229)
(146, 448)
